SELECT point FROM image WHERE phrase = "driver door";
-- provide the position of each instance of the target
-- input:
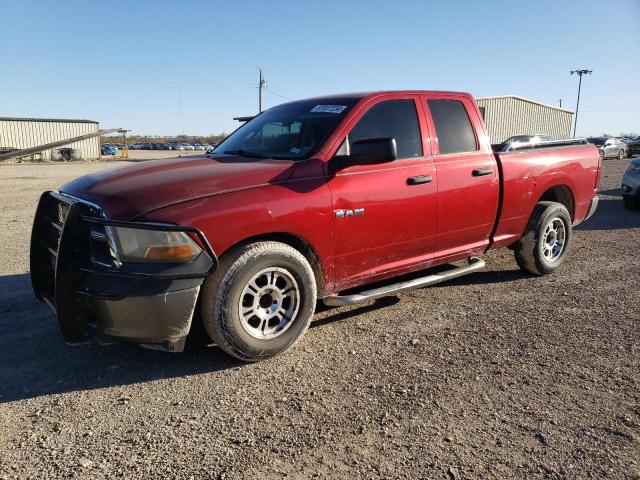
(384, 215)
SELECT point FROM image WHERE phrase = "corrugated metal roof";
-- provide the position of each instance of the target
(48, 120)
(518, 97)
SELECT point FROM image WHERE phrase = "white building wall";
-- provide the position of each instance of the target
(512, 115)
(27, 133)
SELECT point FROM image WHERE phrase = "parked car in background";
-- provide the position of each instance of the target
(177, 146)
(631, 185)
(188, 146)
(198, 146)
(609, 146)
(108, 149)
(627, 141)
(634, 146)
(523, 141)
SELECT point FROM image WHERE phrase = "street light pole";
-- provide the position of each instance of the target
(580, 73)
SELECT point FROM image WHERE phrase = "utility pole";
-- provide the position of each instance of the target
(261, 84)
(560, 103)
(580, 73)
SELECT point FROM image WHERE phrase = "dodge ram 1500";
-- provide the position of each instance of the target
(312, 199)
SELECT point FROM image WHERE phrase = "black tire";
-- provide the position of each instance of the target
(620, 154)
(601, 154)
(631, 203)
(530, 250)
(225, 289)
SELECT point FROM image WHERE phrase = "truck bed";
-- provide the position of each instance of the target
(560, 170)
(498, 147)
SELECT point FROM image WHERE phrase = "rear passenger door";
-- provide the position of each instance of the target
(467, 174)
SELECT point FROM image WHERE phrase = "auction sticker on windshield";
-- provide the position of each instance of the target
(328, 109)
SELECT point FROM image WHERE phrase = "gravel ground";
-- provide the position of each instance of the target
(495, 375)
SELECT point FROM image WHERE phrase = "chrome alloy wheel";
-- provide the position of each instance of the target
(269, 303)
(553, 239)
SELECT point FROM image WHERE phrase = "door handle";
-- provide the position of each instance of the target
(479, 172)
(419, 180)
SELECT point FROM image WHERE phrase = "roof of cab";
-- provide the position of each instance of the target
(360, 95)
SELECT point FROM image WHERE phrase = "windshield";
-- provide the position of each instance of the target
(291, 131)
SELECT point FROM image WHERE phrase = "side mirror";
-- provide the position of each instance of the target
(370, 151)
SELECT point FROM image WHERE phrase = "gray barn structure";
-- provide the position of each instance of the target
(19, 133)
(510, 115)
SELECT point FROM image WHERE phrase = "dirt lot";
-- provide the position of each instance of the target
(495, 375)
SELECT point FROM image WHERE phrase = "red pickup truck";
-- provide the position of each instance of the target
(312, 199)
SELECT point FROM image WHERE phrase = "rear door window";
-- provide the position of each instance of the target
(453, 127)
(391, 119)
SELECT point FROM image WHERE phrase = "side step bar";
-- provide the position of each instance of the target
(475, 264)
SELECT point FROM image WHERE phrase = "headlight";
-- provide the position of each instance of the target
(156, 246)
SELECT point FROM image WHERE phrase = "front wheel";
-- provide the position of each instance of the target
(545, 243)
(260, 301)
(620, 154)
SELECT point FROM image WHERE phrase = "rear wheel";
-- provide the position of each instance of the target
(260, 301)
(545, 243)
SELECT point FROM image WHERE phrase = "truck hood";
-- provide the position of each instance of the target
(132, 191)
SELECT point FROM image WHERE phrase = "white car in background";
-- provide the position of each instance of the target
(198, 146)
(188, 146)
(523, 141)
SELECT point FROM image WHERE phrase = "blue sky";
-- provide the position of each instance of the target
(162, 67)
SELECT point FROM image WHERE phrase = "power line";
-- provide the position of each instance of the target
(129, 80)
(118, 85)
(612, 111)
(101, 60)
(276, 94)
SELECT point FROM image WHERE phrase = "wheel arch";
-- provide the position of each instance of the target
(560, 193)
(295, 241)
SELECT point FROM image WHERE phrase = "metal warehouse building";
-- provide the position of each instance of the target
(31, 132)
(510, 115)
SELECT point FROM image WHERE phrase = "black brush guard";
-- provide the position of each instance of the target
(73, 272)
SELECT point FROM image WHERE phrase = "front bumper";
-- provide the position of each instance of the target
(630, 184)
(150, 304)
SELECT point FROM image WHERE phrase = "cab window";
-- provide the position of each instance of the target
(453, 127)
(389, 119)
